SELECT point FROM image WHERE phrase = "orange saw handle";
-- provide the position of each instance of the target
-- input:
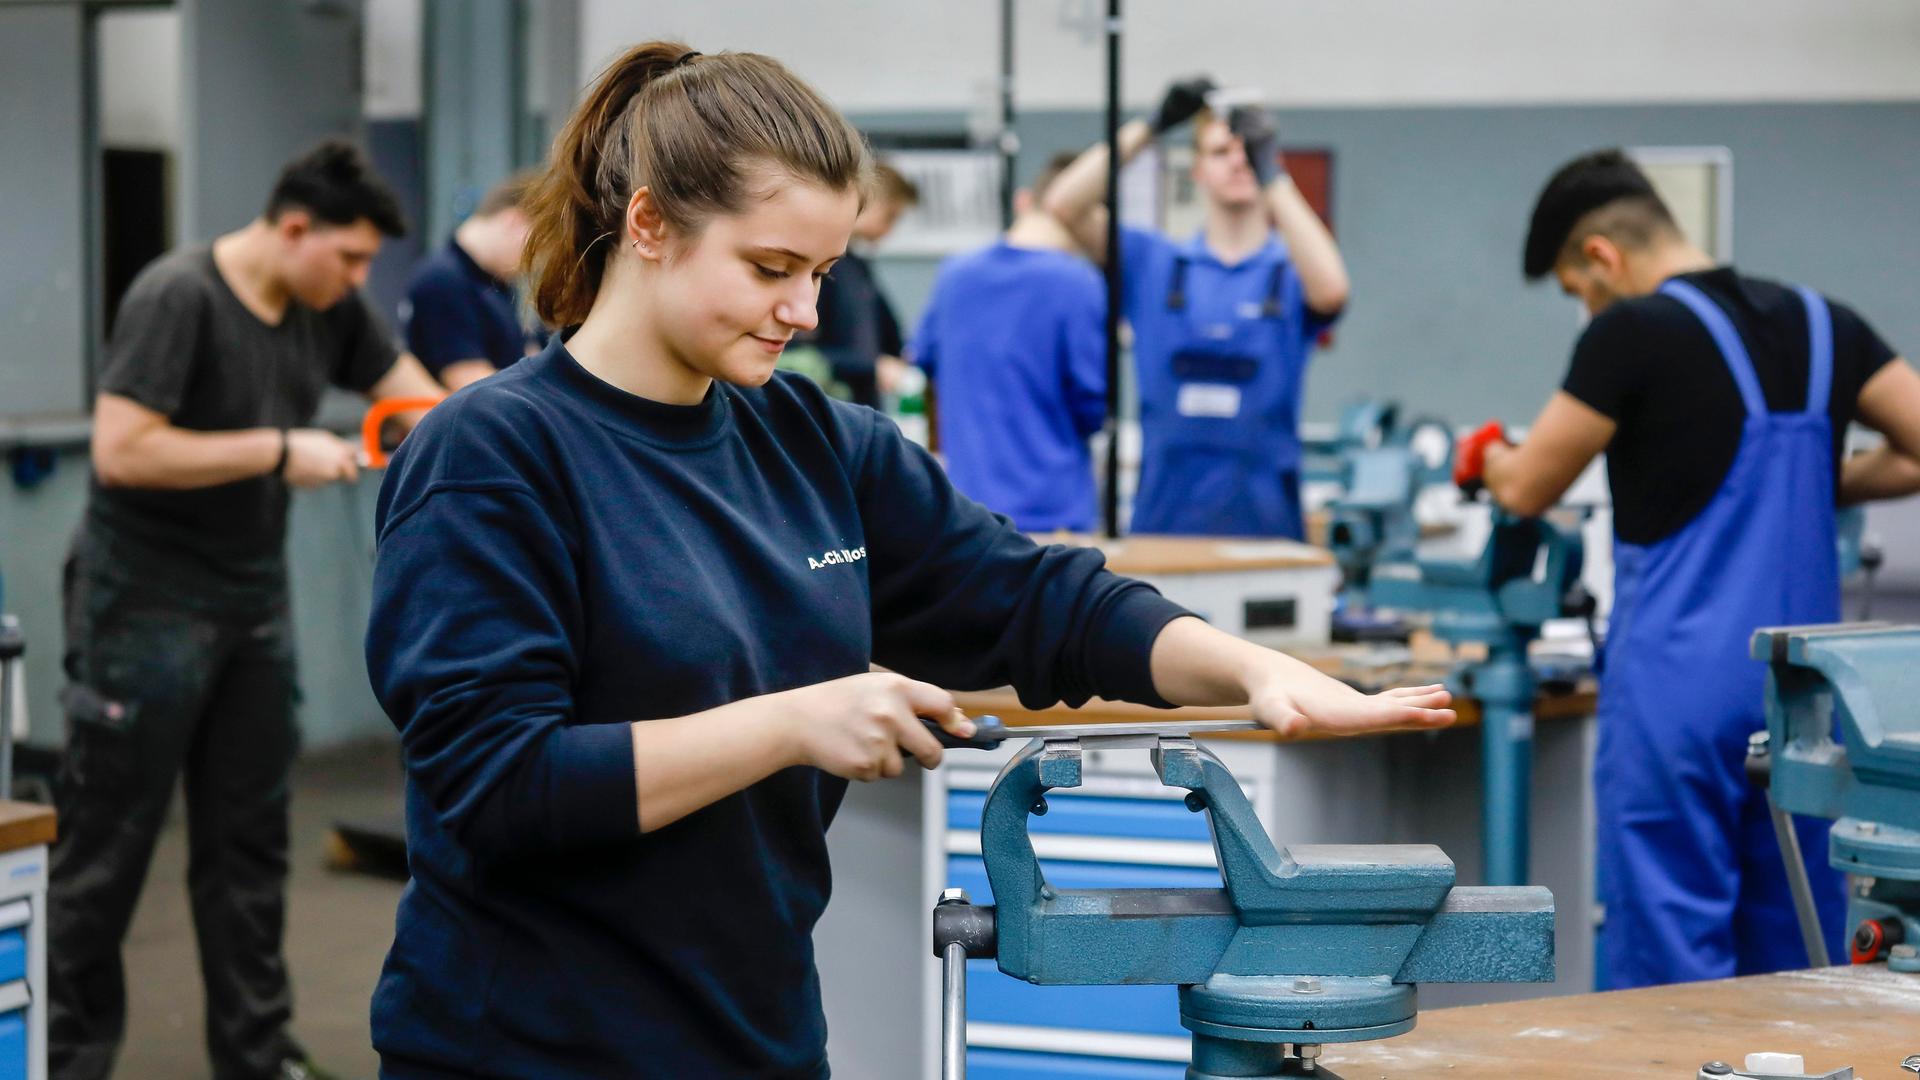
(377, 415)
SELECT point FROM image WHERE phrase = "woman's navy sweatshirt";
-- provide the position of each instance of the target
(559, 558)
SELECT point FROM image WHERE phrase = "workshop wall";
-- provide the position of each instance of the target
(42, 227)
(892, 54)
(1431, 205)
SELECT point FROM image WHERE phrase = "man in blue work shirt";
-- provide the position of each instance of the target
(1223, 323)
(1013, 339)
(461, 315)
(1722, 402)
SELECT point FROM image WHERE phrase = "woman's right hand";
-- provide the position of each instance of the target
(860, 727)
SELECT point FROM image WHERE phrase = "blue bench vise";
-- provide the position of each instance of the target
(1363, 423)
(1843, 742)
(1527, 573)
(1372, 522)
(1302, 946)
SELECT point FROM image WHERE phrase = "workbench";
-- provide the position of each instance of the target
(1276, 592)
(1863, 1016)
(895, 845)
(1005, 704)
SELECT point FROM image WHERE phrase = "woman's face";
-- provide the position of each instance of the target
(732, 296)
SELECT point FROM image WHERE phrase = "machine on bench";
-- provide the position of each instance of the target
(1302, 946)
(1527, 573)
(1380, 466)
(1372, 520)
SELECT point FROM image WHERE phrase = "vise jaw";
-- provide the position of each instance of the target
(1307, 944)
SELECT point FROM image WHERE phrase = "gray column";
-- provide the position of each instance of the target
(263, 79)
(46, 125)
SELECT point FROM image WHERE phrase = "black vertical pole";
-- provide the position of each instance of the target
(1112, 505)
(1009, 144)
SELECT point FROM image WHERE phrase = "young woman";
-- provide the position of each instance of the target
(628, 595)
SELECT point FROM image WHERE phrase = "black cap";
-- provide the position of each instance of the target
(1581, 186)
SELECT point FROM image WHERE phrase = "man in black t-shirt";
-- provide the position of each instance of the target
(179, 652)
(1721, 402)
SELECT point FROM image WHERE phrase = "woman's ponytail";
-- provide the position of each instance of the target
(577, 206)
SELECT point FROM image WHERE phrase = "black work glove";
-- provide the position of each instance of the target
(1183, 102)
(1253, 126)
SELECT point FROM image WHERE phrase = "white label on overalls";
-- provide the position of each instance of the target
(1213, 400)
(1249, 309)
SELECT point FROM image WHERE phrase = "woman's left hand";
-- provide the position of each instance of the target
(1296, 700)
(1196, 664)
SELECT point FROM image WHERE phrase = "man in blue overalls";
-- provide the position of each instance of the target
(1721, 402)
(1223, 323)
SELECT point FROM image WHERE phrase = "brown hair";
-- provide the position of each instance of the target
(1050, 172)
(513, 193)
(693, 129)
(892, 185)
(1201, 121)
(1632, 223)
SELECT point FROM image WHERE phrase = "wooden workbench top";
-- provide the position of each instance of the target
(1147, 556)
(1556, 704)
(1005, 704)
(1864, 1016)
(24, 825)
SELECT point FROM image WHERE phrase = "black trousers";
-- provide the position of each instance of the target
(157, 691)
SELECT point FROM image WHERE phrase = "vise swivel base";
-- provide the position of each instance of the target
(1303, 946)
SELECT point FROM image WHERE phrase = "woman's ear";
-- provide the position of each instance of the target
(646, 229)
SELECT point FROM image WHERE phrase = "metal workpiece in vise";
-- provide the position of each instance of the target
(1302, 946)
(1527, 574)
(1843, 742)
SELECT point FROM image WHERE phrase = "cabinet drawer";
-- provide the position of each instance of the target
(993, 997)
(995, 1064)
(13, 954)
(1094, 815)
(969, 872)
(13, 1043)
(997, 998)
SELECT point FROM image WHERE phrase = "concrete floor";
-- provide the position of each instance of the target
(338, 929)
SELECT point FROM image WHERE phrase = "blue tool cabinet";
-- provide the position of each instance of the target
(23, 964)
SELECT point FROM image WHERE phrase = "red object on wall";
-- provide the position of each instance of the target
(1312, 172)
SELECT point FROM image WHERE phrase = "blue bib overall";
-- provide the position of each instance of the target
(1221, 353)
(1690, 872)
